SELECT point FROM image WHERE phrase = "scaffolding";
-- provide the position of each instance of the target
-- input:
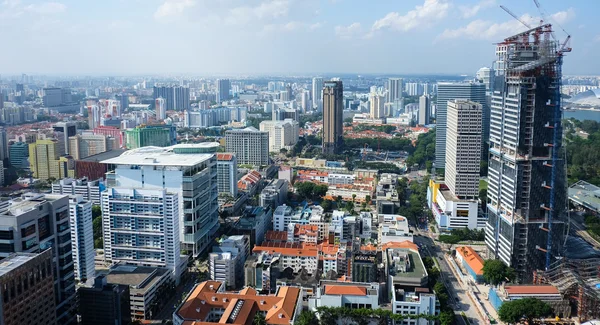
(577, 280)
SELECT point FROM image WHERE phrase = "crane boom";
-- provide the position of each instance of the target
(515, 16)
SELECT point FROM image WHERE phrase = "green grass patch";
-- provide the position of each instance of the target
(483, 185)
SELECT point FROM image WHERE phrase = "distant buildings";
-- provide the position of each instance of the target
(65, 130)
(317, 92)
(377, 105)
(82, 238)
(250, 145)
(177, 98)
(395, 87)
(223, 88)
(33, 302)
(282, 134)
(104, 303)
(47, 160)
(274, 194)
(424, 110)
(151, 135)
(227, 174)
(160, 106)
(333, 106)
(85, 145)
(19, 152)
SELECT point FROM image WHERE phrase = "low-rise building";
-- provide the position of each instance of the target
(351, 295)
(546, 293)
(386, 194)
(294, 256)
(284, 215)
(255, 222)
(585, 196)
(393, 228)
(227, 259)
(250, 182)
(450, 212)
(471, 262)
(208, 303)
(274, 194)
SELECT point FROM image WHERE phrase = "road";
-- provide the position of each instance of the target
(167, 312)
(458, 299)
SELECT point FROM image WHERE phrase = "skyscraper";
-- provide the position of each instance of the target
(527, 191)
(485, 75)
(333, 110)
(377, 105)
(424, 110)
(176, 97)
(82, 238)
(317, 92)
(65, 130)
(250, 145)
(446, 92)
(395, 86)
(227, 174)
(223, 88)
(161, 109)
(305, 101)
(3, 144)
(463, 148)
(124, 101)
(47, 160)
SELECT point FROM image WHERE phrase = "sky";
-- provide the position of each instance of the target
(295, 37)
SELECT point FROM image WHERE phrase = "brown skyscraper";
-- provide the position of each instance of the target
(333, 108)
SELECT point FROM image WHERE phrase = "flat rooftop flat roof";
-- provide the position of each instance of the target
(142, 278)
(14, 261)
(585, 194)
(104, 155)
(158, 156)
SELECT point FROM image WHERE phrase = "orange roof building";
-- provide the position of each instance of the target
(208, 303)
(471, 261)
(346, 294)
(296, 256)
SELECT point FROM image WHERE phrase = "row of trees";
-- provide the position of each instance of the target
(424, 152)
(583, 154)
(496, 272)
(463, 234)
(310, 190)
(394, 144)
(97, 226)
(380, 128)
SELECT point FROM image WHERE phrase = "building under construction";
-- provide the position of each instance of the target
(527, 183)
(578, 280)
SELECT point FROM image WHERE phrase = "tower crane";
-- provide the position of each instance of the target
(515, 16)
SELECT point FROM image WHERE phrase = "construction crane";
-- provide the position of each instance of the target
(515, 16)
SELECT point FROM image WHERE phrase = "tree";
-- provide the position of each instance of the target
(307, 318)
(483, 196)
(353, 197)
(97, 227)
(447, 318)
(326, 205)
(495, 272)
(304, 189)
(259, 319)
(530, 308)
(319, 191)
(368, 199)
(283, 151)
(350, 206)
(96, 211)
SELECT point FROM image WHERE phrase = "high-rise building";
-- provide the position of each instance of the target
(413, 89)
(424, 110)
(32, 302)
(151, 135)
(227, 174)
(82, 238)
(104, 303)
(317, 92)
(223, 88)
(47, 161)
(89, 190)
(85, 145)
(463, 148)
(37, 222)
(282, 134)
(176, 97)
(190, 170)
(65, 130)
(305, 105)
(250, 146)
(109, 108)
(333, 110)
(527, 216)
(161, 108)
(395, 86)
(52, 97)
(226, 262)
(485, 75)
(284, 96)
(141, 227)
(447, 92)
(19, 151)
(124, 102)
(94, 116)
(377, 105)
(3, 144)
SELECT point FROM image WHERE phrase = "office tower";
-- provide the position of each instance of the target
(333, 110)
(1, 100)
(250, 146)
(190, 170)
(3, 144)
(305, 101)
(176, 97)
(413, 89)
(19, 151)
(424, 110)
(395, 86)
(527, 191)
(377, 105)
(463, 148)
(47, 161)
(37, 222)
(317, 92)
(123, 101)
(83, 146)
(446, 92)
(94, 116)
(223, 88)
(143, 230)
(282, 134)
(32, 302)
(82, 238)
(485, 75)
(104, 303)
(89, 190)
(227, 174)
(65, 130)
(284, 96)
(151, 135)
(52, 97)
(160, 107)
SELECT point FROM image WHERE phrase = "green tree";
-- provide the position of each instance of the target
(304, 189)
(319, 190)
(447, 318)
(307, 318)
(483, 196)
(531, 308)
(259, 319)
(326, 205)
(96, 211)
(495, 272)
(97, 227)
(368, 199)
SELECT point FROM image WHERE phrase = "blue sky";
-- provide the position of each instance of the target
(206, 37)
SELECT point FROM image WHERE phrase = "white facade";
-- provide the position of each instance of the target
(141, 227)
(393, 228)
(414, 303)
(82, 238)
(227, 174)
(457, 213)
(282, 134)
(305, 101)
(352, 295)
(377, 105)
(250, 145)
(317, 92)
(90, 190)
(222, 267)
(161, 108)
(282, 217)
(395, 86)
(463, 148)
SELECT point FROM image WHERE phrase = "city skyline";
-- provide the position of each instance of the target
(270, 36)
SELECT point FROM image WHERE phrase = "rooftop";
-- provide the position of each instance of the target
(585, 194)
(289, 249)
(104, 155)
(472, 258)
(531, 290)
(137, 277)
(158, 156)
(345, 290)
(14, 261)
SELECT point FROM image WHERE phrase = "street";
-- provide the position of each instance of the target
(167, 312)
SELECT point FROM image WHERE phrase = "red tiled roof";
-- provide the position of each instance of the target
(473, 259)
(345, 290)
(531, 290)
(224, 156)
(289, 249)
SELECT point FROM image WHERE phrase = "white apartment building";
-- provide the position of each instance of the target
(82, 238)
(292, 255)
(450, 212)
(393, 228)
(227, 174)
(90, 190)
(141, 227)
(463, 148)
(377, 105)
(250, 145)
(190, 170)
(226, 262)
(282, 134)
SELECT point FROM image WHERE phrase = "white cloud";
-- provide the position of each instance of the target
(315, 26)
(427, 14)
(468, 12)
(488, 30)
(11, 4)
(347, 32)
(171, 8)
(291, 26)
(47, 8)
(268, 9)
